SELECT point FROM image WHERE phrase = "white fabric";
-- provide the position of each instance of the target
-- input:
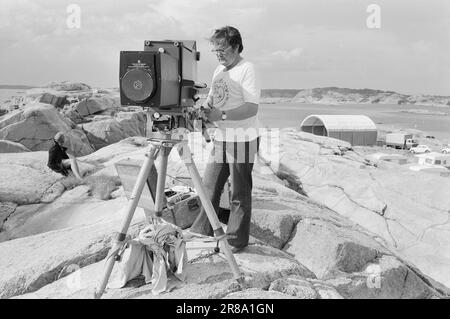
(135, 260)
(166, 243)
(231, 89)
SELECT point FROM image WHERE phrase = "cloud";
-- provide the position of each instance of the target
(287, 57)
(297, 43)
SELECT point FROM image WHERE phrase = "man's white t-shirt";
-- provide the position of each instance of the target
(229, 90)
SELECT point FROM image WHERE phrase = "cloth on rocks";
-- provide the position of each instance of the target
(157, 250)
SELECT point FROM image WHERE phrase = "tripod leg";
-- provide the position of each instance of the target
(160, 199)
(132, 204)
(185, 155)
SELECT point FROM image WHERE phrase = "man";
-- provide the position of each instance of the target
(58, 160)
(232, 104)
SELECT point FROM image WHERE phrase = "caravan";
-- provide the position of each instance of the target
(434, 158)
(432, 162)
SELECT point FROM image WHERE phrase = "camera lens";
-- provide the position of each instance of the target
(137, 85)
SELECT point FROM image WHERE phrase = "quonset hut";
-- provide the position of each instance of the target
(355, 129)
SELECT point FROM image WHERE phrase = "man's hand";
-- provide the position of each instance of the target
(213, 114)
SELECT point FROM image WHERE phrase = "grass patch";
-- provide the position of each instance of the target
(100, 186)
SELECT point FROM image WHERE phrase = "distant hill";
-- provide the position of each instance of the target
(327, 96)
(335, 95)
(15, 87)
(282, 93)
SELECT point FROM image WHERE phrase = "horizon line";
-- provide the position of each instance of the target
(13, 86)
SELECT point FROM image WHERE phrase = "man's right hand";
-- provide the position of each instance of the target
(213, 114)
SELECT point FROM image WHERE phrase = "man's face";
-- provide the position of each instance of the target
(225, 53)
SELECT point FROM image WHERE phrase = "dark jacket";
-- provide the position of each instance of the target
(55, 156)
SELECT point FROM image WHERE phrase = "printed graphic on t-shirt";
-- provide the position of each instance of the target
(221, 93)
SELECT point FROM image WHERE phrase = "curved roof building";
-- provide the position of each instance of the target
(355, 129)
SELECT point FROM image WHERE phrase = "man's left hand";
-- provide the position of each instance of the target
(213, 114)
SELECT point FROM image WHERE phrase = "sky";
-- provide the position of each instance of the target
(295, 44)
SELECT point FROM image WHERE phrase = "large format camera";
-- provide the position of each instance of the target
(163, 79)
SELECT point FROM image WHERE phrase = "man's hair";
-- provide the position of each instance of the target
(59, 136)
(228, 34)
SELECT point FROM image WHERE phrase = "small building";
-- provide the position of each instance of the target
(394, 158)
(355, 129)
(434, 158)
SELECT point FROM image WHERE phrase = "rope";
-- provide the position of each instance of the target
(203, 256)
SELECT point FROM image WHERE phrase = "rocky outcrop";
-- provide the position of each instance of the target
(96, 110)
(273, 229)
(68, 90)
(36, 261)
(332, 247)
(398, 205)
(68, 86)
(388, 278)
(324, 254)
(82, 111)
(258, 293)
(304, 288)
(205, 278)
(109, 131)
(26, 179)
(56, 101)
(35, 127)
(12, 147)
(6, 210)
(25, 185)
(74, 208)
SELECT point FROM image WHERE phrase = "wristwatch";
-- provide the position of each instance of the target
(224, 116)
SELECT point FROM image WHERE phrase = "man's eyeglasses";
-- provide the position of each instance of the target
(220, 51)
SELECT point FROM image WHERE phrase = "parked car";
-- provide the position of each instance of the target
(420, 149)
(446, 150)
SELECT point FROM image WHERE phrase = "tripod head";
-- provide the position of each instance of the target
(192, 119)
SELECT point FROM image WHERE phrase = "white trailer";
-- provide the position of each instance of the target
(434, 158)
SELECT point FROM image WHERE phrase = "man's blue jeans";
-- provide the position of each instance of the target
(234, 160)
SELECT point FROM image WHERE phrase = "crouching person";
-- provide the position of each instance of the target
(59, 161)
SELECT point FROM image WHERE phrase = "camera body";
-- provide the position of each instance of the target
(161, 77)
